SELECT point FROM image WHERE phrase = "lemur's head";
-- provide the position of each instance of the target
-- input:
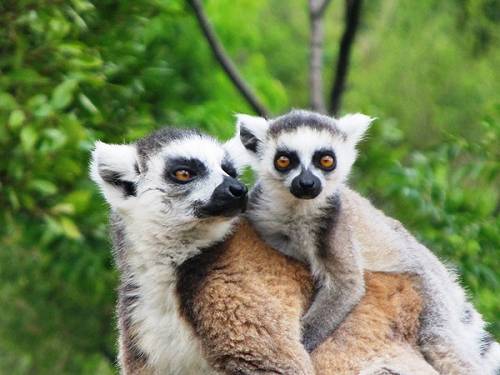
(302, 153)
(171, 181)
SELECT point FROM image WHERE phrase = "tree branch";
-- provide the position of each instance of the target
(318, 7)
(316, 11)
(224, 60)
(352, 16)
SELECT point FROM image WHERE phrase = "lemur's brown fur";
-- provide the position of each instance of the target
(245, 301)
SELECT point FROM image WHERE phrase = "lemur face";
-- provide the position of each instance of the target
(172, 178)
(302, 154)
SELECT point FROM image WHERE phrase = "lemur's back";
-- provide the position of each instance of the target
(388, 247)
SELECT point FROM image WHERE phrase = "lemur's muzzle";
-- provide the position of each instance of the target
(306, 185)
(228, 199)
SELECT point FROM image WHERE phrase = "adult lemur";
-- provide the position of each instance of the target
(192, 304)
(173, 195)
(302, 206)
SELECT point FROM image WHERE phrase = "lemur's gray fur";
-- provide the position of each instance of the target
(319, 236)
(158, 223)
(339, 233)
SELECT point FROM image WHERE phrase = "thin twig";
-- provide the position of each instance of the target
(224, 60)
(352, 16)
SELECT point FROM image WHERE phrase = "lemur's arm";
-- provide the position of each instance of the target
(330, 307)
(341, 286)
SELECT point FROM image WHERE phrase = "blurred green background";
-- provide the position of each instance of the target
(75, 71)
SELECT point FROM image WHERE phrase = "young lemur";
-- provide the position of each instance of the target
(302, 206)
(172, 195)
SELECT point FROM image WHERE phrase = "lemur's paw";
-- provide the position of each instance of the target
(310, 341)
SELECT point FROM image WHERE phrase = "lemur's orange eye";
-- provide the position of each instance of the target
(283, 162)
(327, 161)
(182, 175)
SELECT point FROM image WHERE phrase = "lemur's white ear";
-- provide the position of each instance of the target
(251, 130)
(243, 147)
(114, 168)
(354, 126)
(238, 153)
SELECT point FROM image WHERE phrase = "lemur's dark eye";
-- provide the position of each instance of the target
(286, 160)
(230, 170)
(282, 162)
(325, 160)
(183, 175)
(184, 170)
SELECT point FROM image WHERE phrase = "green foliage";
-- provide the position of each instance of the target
(75, 71)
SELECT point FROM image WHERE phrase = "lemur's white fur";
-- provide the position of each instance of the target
(452, 331)
(157, 231)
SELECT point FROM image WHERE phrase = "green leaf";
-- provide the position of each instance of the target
(28, 138)
(63, 208)
(7, 101)
(43, 186)
(13, 199)
(79, 199)
(63, 94)
(87, 103)
(16, 118)
(36, 101)
(70, 228)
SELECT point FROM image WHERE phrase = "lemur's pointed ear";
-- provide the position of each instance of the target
(115, 170)
(354, 126)
(243, 147)
(252, 130)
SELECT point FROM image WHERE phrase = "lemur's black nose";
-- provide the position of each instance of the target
(306, 183)
(237, 189)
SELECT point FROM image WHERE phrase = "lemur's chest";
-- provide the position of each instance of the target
(302, 235)
(161, 332)
(292, 233)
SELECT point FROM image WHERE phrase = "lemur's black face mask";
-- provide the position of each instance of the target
(306, 185)
(228, 200)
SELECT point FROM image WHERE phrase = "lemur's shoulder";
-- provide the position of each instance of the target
(355, 202)
(383, 240)
(362, 209)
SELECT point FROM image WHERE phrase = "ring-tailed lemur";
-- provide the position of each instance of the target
(173, 195)
(302, 206)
